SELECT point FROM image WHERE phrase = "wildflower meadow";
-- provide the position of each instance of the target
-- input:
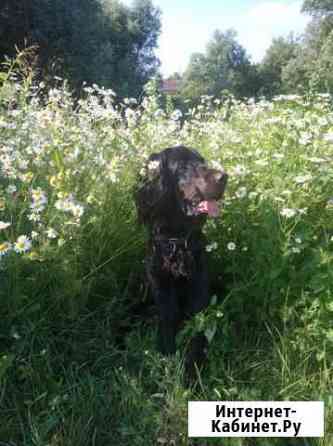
(78, 360)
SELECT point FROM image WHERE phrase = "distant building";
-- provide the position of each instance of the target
(171, 86)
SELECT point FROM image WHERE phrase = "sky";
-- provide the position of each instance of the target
(187, 26)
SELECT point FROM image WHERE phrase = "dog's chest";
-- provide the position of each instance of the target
(173, 258)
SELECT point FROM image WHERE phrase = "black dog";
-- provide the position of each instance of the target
(176, 195)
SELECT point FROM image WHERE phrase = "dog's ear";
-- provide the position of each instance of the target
(153, 188)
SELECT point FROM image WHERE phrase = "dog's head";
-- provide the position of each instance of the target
(177, 181)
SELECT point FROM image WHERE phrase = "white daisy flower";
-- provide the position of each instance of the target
(38, 195)
(4, 225)
(77, 210)
(301, 179)
(68, 204)
(261, 163)
(288, 213)
(51, 233)
(212, 247)
(305, 138)
(278, 156)
(322, 121)
(231, 246)
(16, 335)
(113, 177)
(239, 170)
(303, 211)
(328, 137)
(61, 242)
(216, 165)
(159, 113)
(22, 244)
(34, 216)
(23, 164)
(39, 200)
(61, 205)
(176, 115)
(241, 192)
(153, 165)
(315, 159)
(253, 195)
(11, 189)
(4, 248)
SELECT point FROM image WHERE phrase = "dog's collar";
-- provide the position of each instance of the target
(186, 243)
(175, 254)
(173, 241)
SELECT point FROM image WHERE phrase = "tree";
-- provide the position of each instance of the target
(175, 76)
(312, 66)
(101, 41)
(317, 8)
(195, 79)
(281, 52)
(14, 24)
(324, 71)
(224, 66)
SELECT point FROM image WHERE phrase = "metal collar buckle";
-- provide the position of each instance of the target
(178, 241)
(172, 242)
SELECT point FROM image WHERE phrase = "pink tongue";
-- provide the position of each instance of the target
(209, 207)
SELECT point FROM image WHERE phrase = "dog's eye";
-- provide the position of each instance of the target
(201, 169)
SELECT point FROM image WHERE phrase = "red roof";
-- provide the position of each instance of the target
(170, 85)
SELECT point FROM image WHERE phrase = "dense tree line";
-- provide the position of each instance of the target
(108, 43)
(291, 64)
(306, 63)
(101, 41)
(224, 66)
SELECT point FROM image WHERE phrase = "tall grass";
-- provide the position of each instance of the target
(78, 363)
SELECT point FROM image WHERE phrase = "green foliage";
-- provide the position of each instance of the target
(224, 66)
(281, 52)
(301, 64)
(76, 365)
(93, 41)
(325, 65)
(318, 7)
(309, 68)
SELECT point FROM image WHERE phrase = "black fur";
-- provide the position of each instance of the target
(176, 181)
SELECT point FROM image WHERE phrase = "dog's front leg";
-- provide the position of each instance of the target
(169, 319)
